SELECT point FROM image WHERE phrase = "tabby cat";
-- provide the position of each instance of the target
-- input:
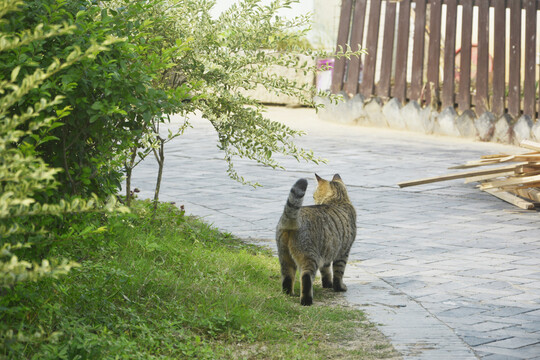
(315, 237)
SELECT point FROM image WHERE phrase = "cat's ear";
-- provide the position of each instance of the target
(319, 179)
(337, 178)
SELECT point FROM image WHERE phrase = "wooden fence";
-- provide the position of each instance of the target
(416, 40)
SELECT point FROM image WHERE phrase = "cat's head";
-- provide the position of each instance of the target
(330, 191)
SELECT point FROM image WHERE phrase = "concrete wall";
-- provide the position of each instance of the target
(264, 96)
(412, 117)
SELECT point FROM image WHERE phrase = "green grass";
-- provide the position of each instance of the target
(171, 287)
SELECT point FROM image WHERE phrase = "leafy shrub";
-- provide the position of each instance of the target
(111, 98)
(25, 178)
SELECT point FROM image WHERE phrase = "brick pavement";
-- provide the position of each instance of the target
(448, 272)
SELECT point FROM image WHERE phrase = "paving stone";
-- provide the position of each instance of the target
(485, 126)
(522, 128)
(373, 109)
(487, 326)
(356, 108)
(499, 357)
(460, 312)
(465, 124)
(526, 352)
(535, 131)
(517, 342)
(476, 341)
(410, 113)
(446, 122)
(391, 110)
(427, 120)
(503, 132)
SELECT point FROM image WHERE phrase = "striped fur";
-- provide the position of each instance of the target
(316, 237)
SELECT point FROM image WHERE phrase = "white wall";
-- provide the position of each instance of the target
(325, 15)
(325, 23)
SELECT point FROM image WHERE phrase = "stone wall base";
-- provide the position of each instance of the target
(412, 117)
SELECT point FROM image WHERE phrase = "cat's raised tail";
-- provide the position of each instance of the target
(294, 203)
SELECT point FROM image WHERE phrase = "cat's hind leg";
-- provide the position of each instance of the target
(287, 263)
(326, 276)
(308, 275)
(338, 268)
(288, 274)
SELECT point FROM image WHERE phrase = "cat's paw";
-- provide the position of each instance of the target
(327, 283)
(340, 287)
(287, 286)
(306, 301)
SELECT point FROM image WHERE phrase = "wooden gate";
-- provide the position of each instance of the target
(412, 53)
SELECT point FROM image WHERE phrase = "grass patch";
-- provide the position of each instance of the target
(172, 287)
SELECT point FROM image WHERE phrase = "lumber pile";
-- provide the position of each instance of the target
(517, 183)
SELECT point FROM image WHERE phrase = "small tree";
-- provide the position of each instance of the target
(230, 55)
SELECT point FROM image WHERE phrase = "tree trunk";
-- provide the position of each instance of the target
(129, 171)
(160, 157)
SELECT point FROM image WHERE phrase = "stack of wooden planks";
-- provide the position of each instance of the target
(518, 183)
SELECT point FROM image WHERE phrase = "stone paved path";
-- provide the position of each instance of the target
(448, 272)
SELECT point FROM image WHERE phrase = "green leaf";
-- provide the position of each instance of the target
(47, 139)
(98, 105)
(15, 73)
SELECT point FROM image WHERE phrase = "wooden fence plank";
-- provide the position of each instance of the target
(418, 50)
(434, 53)
(536, 79)
(499, 47)
(514, 67)
(368, 78)
(357, 35)
(464, 95)
(529, 86)
(342, 40)
(448, 90)
(383, 87)
(482, 68)
(402, 50)
(489, 89)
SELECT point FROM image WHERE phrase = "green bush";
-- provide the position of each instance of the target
(111, 98)
(26, 179)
